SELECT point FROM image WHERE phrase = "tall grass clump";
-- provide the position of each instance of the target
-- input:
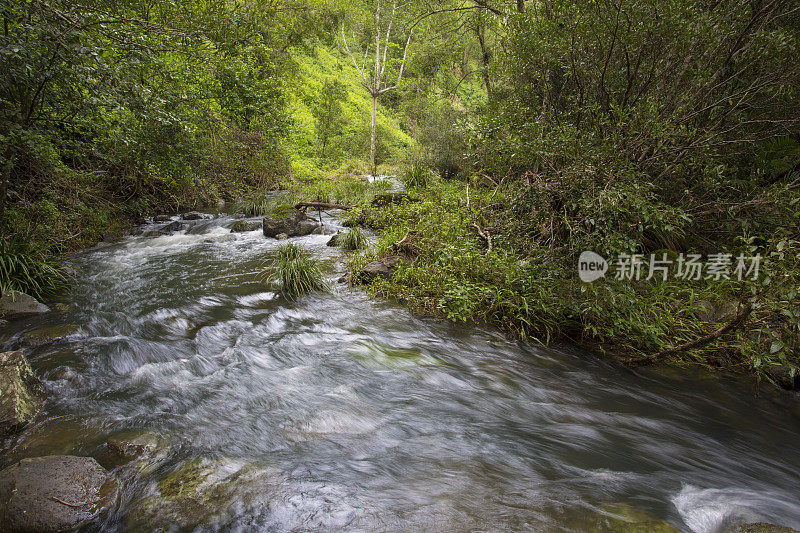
(297, 272)
(255, 206)
(353, 239)
(29, 272)
(418, 176)
(262, 205)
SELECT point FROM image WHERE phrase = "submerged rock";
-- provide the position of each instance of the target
(61, 307)
(168, 229)
(295, 225)
(136, 445)
(202, 492)
(15, 303)
(241, 226)
(621, 518)
(322, 230)
(50, 334)
(54, 493)
(21, 393)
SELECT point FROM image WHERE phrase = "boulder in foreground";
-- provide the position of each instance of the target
(54, 493)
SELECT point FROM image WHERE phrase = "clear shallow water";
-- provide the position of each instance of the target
(349, 413)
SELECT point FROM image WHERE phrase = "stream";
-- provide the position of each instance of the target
(341, 412)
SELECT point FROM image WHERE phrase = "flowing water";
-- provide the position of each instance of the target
(339, 412)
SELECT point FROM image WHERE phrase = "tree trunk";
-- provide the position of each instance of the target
(372, 137)
(484, 59)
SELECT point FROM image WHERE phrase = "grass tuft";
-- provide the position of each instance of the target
(297, 272)
(353, 239)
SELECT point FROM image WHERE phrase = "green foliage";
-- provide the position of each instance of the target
(352, 239)
(297, 272)
(26, 271)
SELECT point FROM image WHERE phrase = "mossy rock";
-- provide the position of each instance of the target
(201, 492)
(621, 518)
(241, 226)
(49, 334)
(21, 393)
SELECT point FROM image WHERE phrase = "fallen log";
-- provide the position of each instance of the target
(322, 205)
(737, 321)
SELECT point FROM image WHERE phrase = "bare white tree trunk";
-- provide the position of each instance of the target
(374, 134)
(375, 85)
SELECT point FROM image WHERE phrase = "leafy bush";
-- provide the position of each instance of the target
(297, 272)
(353, 239)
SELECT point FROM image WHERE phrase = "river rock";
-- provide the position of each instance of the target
(21, 393)
(15, 303)
(202, 492)
(49, 334)
(162, 218)
(334, 241)
(295, 225)
(241, 226)
(193, 215)
(54, 493)
(382, 268)
(782, 375)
